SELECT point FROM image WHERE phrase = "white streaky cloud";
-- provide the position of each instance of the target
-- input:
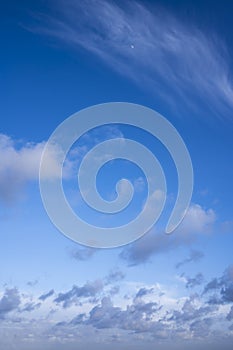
(169, 57)
(20, 164)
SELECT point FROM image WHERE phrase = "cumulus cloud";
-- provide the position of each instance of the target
(201, 328)
(197, 280)
(146, 315)
(159, 51)
(230, 314)
(74, 295)
(197, 221)
(137, 317)
(222, 288)
(192, 311)
(20, 164)
(9, 301)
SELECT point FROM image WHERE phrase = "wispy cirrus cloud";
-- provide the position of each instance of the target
(150, 46)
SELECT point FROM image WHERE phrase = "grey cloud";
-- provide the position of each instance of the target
(143, 292)
(115, 276)
(194, 256)
(83, 254)
(230, 314)
(213, 284)
(190, 312)
(196, 222)
(46, 295)
(201, 328)
(30, 307)
(73, 296)
(194, 281)
(32, 283)
(137, 317)
(222, 287)
(146, 320)
(80, 319)
(9, 302)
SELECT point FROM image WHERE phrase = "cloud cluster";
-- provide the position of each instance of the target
(91, 311)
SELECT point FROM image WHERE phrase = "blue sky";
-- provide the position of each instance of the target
(161, 291)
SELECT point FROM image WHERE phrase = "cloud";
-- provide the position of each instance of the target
(222, 287)
(82, 254)
(191, 311)
(201, 328)
(74, 295)
(192, 282)
(194, 256)
(32, 283)
(9, 301)
(197, 221)
(230, 315)
(45, 296)
(143, 292)
(20, 164)
(146, 315)
(30, 307)
(137, 317)
(114, 276)
(161, 53)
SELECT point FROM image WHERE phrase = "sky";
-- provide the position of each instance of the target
(160, 291)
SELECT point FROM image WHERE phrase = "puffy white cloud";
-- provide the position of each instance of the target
(19, 163)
